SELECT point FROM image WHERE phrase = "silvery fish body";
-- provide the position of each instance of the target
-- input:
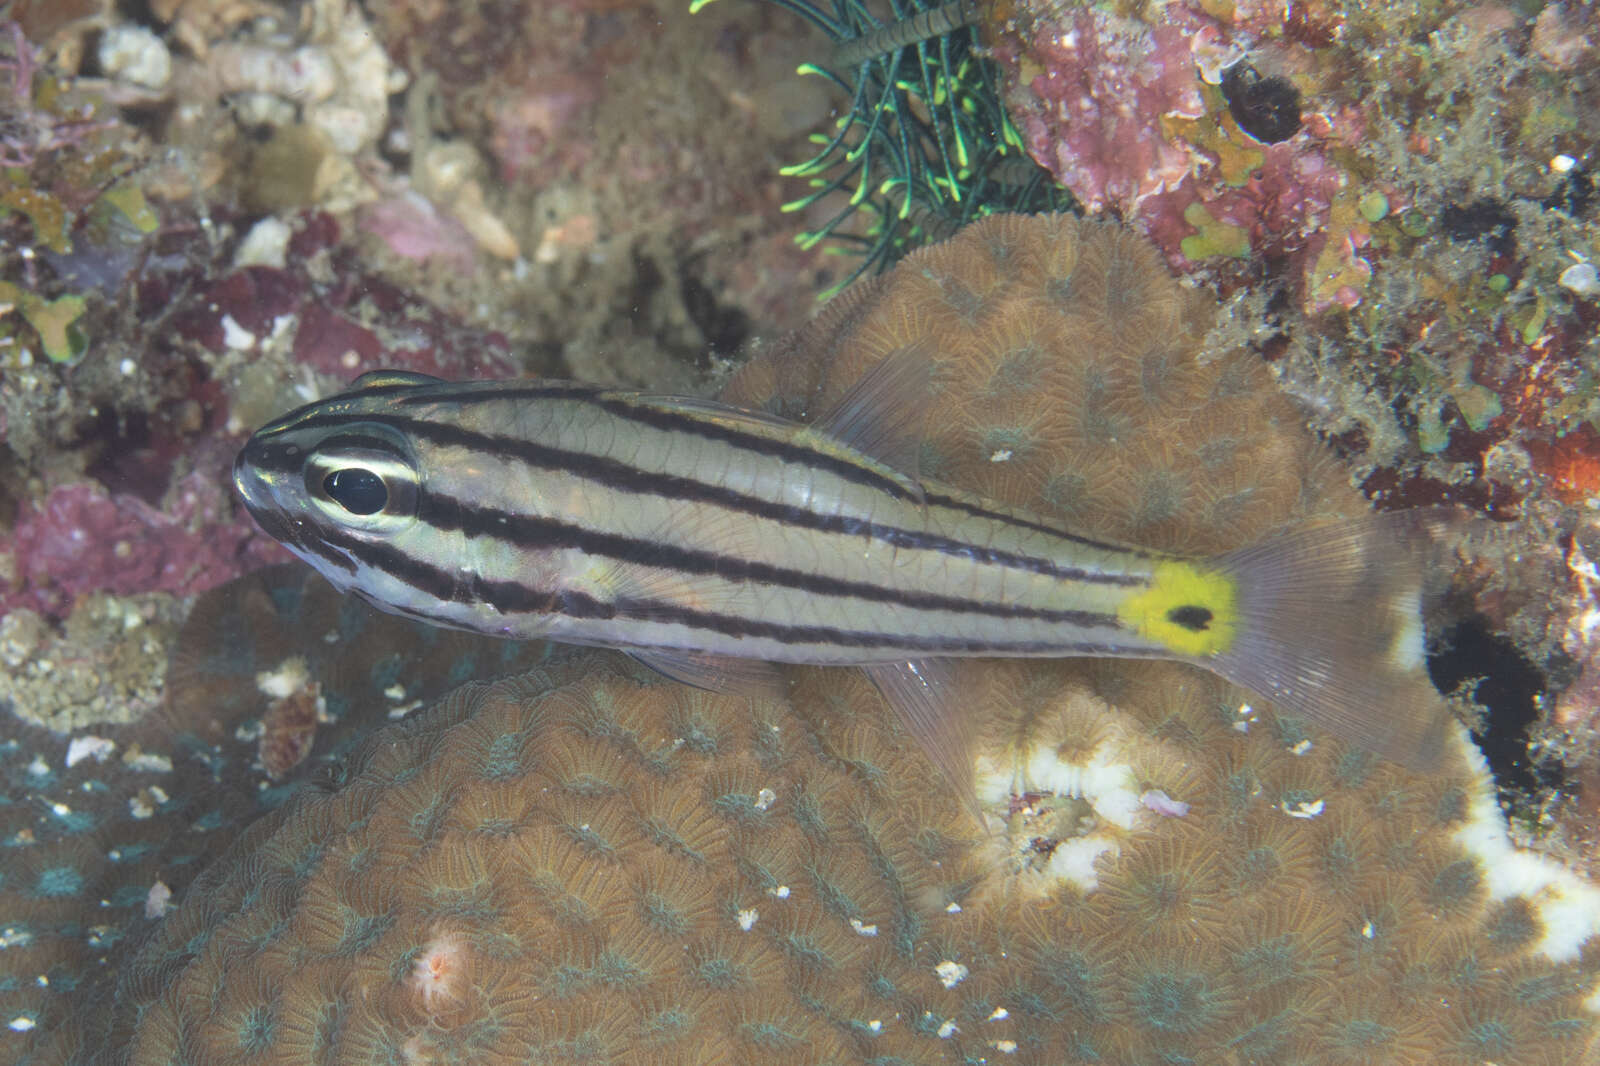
(688, 531)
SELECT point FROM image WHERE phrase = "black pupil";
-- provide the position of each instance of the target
(356, 490)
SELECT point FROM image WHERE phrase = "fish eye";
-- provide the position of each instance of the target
(364, 480)
(357, 489)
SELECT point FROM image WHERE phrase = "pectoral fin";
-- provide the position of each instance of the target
(750, 678)
(923, 697)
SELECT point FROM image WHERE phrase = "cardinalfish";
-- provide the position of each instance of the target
(699, 536)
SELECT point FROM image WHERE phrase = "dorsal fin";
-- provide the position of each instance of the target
(391, 378)
(879, 417)
(883, 413)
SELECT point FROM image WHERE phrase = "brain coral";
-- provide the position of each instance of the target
(99, 831)
(576, 867)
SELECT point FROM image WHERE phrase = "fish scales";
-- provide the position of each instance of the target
(531, 495)
(692, 533)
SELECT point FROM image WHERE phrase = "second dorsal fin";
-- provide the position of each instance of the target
(882, 415)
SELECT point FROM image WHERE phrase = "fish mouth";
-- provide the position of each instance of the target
(255, 488)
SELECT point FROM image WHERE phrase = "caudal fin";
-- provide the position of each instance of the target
(1330, 627)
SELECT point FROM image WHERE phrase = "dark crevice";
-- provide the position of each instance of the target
(724, 326)
(125, 458)
(1485, 219)
(1575, 194)
(1505, 682)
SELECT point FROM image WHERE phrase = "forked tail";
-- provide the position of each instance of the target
(1329, 626)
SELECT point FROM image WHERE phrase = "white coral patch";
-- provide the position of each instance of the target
(1074, 860)
(131, 53)
(1408, 651)
(158, 900)
(236, 336)
(89, 747)
(1109, 786)
(1568, 907)
(267, 244)
(950, 973)
(290, 677)
(1104, 781)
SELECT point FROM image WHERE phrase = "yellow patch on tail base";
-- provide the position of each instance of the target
(1170, 610)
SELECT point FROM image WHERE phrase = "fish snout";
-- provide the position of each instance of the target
(261, 472)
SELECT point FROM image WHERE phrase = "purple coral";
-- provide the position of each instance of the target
(1283, 205)
(1131, 117)
(1089, 93)
(82, 539)
(344, 327)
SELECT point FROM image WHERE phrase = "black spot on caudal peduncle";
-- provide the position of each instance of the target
(1191, 617)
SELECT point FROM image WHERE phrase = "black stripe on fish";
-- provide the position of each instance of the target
(362, 440)
(669, 420)
(320, 547)
(618, 475)
(510, 597)
(664, 418)
(534, 533)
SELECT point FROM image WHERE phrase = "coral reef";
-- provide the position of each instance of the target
(645, 206)
(1063, 392)
(212, 210)
(68, 161)
(82, 541)
(193, 237)
(1399, 202)
(586, 870)
(104, 822)
(119, 475)
(574, 866)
